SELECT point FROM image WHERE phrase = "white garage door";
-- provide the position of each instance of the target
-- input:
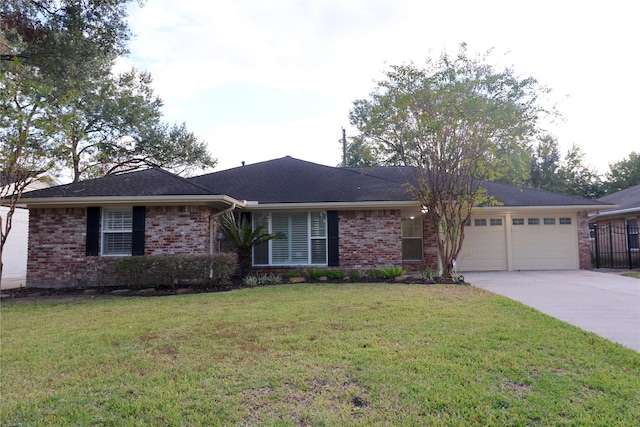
(485, 246)
(544, 242)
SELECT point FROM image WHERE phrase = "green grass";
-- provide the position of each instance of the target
(363, 354)
(633, 274)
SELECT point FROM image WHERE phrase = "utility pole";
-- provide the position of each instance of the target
(344, 148)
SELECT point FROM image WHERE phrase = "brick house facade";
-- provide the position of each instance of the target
(346, 218)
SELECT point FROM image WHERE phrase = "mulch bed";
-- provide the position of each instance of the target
(78, 293)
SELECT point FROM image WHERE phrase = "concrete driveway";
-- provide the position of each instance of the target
(604, 303)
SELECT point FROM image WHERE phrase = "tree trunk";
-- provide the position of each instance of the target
(244, 260)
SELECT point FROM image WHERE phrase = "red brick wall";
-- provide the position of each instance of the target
(56, 245)
(57, 239)
(177, 230)
(584, 244)
(370, 239)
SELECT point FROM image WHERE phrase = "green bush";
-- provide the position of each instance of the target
(375, 274)
(355, 274)
(335, 274)
(174, 270)
(392, 272)
(315, 273)
(293, 273)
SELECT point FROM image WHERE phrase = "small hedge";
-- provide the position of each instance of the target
(174, 270)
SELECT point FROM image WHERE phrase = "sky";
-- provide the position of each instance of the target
(259, 80)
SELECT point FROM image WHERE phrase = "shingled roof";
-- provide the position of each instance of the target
(148, 182)
(289, 180)
(628, 200)
(508, 195)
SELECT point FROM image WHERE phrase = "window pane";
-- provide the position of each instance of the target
(261, 251)
(318, 251)
(411, 249)
(549, 221)
(533, 221)
(518, 221)
(495, 221)
(116, 244)
(565, 221)
(318, 224)
(479, 222)
(412, 227)
(117, 220)
(293, 246)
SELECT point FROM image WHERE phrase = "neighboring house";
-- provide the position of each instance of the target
(614, 232)
(14, 255)
(337, 217)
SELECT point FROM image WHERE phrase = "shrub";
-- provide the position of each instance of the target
(392, 272)
(335, 274)
(174, 270)
(355, 274)
(268, 279)
(293, 273)
(134, 271)
(315, 273)
(375, 274)
(429, 273)
(250, 281)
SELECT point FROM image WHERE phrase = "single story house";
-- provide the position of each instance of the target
(351, 218)
(614, 231)
(14, 255)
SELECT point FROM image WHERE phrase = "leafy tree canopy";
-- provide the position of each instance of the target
(458, 120)
(623, 174)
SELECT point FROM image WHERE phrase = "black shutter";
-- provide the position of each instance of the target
(333, 239)
(137, 235)
(93, 231)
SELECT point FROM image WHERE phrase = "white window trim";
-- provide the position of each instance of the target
(419, 237)
(105, 231)
(310, 238)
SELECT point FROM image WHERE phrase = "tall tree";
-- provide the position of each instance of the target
(569, 174)
(623, 174)
(116, 125)
(452, 120)
(25, 149)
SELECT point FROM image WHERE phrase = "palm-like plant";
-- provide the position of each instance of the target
(239, 231)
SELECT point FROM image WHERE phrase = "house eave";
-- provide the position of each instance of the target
(368, 205)
(218, 201)
(616, 212)
(558, 208)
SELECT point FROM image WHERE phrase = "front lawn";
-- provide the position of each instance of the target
(329, 354)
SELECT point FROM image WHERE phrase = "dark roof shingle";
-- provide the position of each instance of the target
(147, 182)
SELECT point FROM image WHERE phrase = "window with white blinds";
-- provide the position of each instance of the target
(117, 224)
(303, 238)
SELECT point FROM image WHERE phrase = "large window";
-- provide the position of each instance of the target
(117, 225)
(412, 238)
(303, 238)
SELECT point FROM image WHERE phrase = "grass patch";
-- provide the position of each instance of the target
(347, 354)
(633, 274)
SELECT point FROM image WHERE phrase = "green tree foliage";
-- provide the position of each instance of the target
(458, 121)
(104, 123)
(568, 175)
(623, 174)
(24, 142)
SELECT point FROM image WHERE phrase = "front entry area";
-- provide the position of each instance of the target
(513, 241)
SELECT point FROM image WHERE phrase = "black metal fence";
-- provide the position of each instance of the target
(614, 246)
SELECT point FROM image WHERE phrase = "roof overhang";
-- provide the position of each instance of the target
(369, 205)
(213, 201)
(560, 208)
(616, 212)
